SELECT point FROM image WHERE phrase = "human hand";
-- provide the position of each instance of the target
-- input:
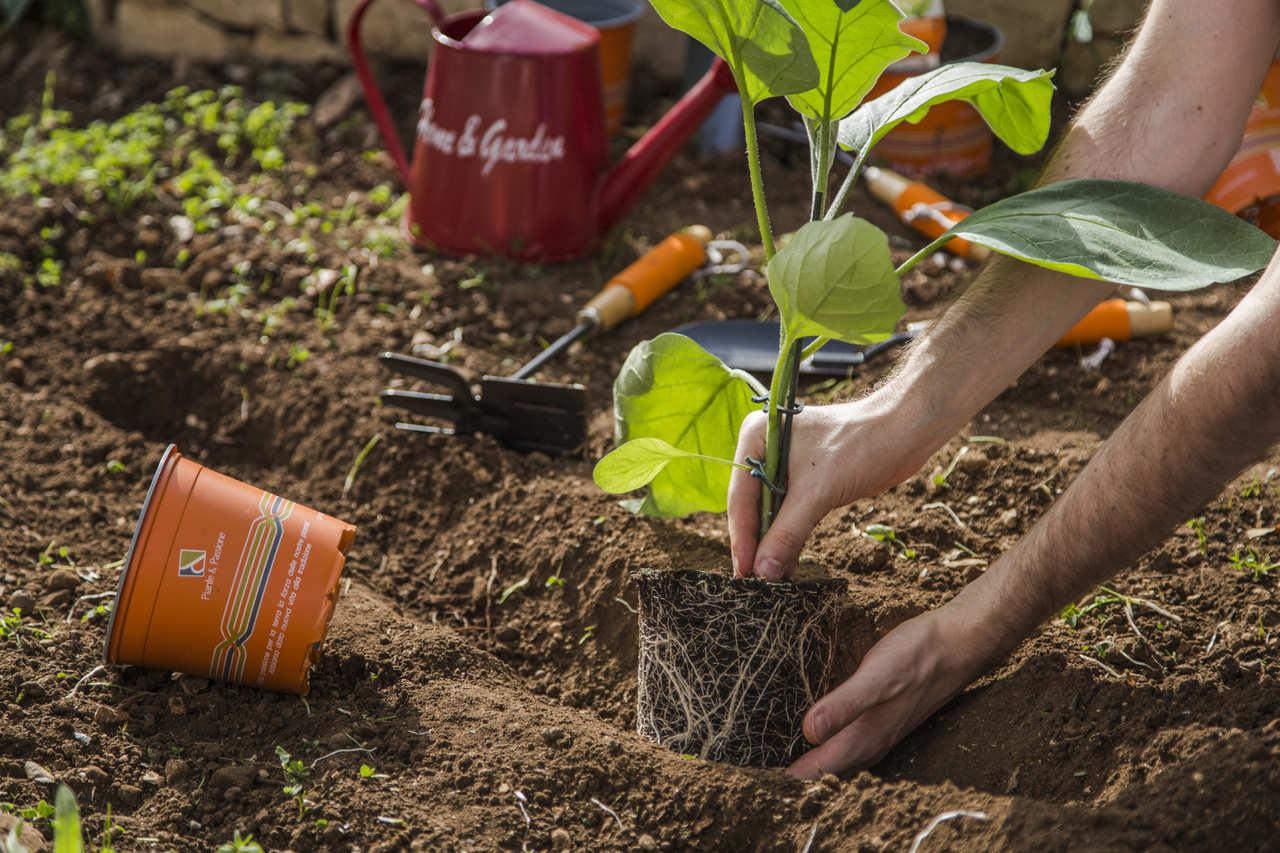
(913, 671)
(839, 453)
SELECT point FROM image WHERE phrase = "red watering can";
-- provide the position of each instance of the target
(510, 154)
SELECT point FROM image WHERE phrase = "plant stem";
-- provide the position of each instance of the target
(814, 345)
(757, 180)
(781, 387)
(850, 179)
(821, 144)
(922, 254)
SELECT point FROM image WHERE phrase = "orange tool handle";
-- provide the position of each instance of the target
(1120, 320)
(923, 208)
(649, 277)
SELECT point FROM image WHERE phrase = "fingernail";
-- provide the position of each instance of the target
(734, 558)
(769, 569)
(815, 727)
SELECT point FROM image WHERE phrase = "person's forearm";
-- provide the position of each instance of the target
(1172, 116)
(1216, 412)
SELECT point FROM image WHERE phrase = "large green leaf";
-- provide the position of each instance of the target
(671, 388)
(764, 46)
(1013, 101)
(1123, 232)
(853, 43)
(633, 465)
(836, 279)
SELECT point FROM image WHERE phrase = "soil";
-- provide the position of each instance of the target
(501, 715)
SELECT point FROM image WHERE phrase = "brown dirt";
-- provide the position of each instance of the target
(465, 703)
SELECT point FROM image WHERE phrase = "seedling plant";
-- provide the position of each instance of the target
(295, 777)
(679, 409)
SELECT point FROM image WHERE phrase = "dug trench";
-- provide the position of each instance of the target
(482, 660)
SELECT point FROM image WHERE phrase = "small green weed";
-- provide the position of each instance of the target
(49, 274)
(240, 844)
(13, 628)
(885, 533)
(295, 777)
(941, 479)
(1251, 563)
(513, 589)
(1196, 526)
(298, 356)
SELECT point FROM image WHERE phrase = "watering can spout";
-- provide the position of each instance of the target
(647, 157)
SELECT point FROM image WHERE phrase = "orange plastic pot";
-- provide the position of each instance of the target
(615, 20)
(226, 581)
(1253, 175)
(952, 137)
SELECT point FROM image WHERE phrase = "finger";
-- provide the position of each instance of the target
(873, 683)
(744, 498)
(780, 548)
(855, 747)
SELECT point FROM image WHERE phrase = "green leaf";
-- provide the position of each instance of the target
(853, 43)
(671, 388)
(837, 279)
(764, 46)
(1013, 101)
(66, 823)
(635, 464)
(1123, 232)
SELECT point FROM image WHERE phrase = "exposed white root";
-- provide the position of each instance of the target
(923, 835)
(728, 668)
(610, 812)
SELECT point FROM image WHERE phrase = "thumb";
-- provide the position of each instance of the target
(780, 548)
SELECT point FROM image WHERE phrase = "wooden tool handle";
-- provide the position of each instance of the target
(653, 274)
(923, 208)
(1120, 320)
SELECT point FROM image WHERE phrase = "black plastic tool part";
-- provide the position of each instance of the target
(524, 415)
(752, 345)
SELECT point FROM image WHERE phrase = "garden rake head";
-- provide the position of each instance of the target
(522, 414)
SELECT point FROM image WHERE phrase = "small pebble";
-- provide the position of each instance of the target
(61, 579)
(15, 371)
(176, 770)
(36, 773)
(552, 736)
(152, 778)
(105, 715)
(130, 795)
(561, 839)
(646, 842)
(94, 775)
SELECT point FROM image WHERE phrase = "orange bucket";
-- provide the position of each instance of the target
(226, 581)
(615, 20)
(952, 137)
(1253, 175)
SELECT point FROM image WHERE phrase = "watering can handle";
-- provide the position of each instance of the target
(378, 104)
